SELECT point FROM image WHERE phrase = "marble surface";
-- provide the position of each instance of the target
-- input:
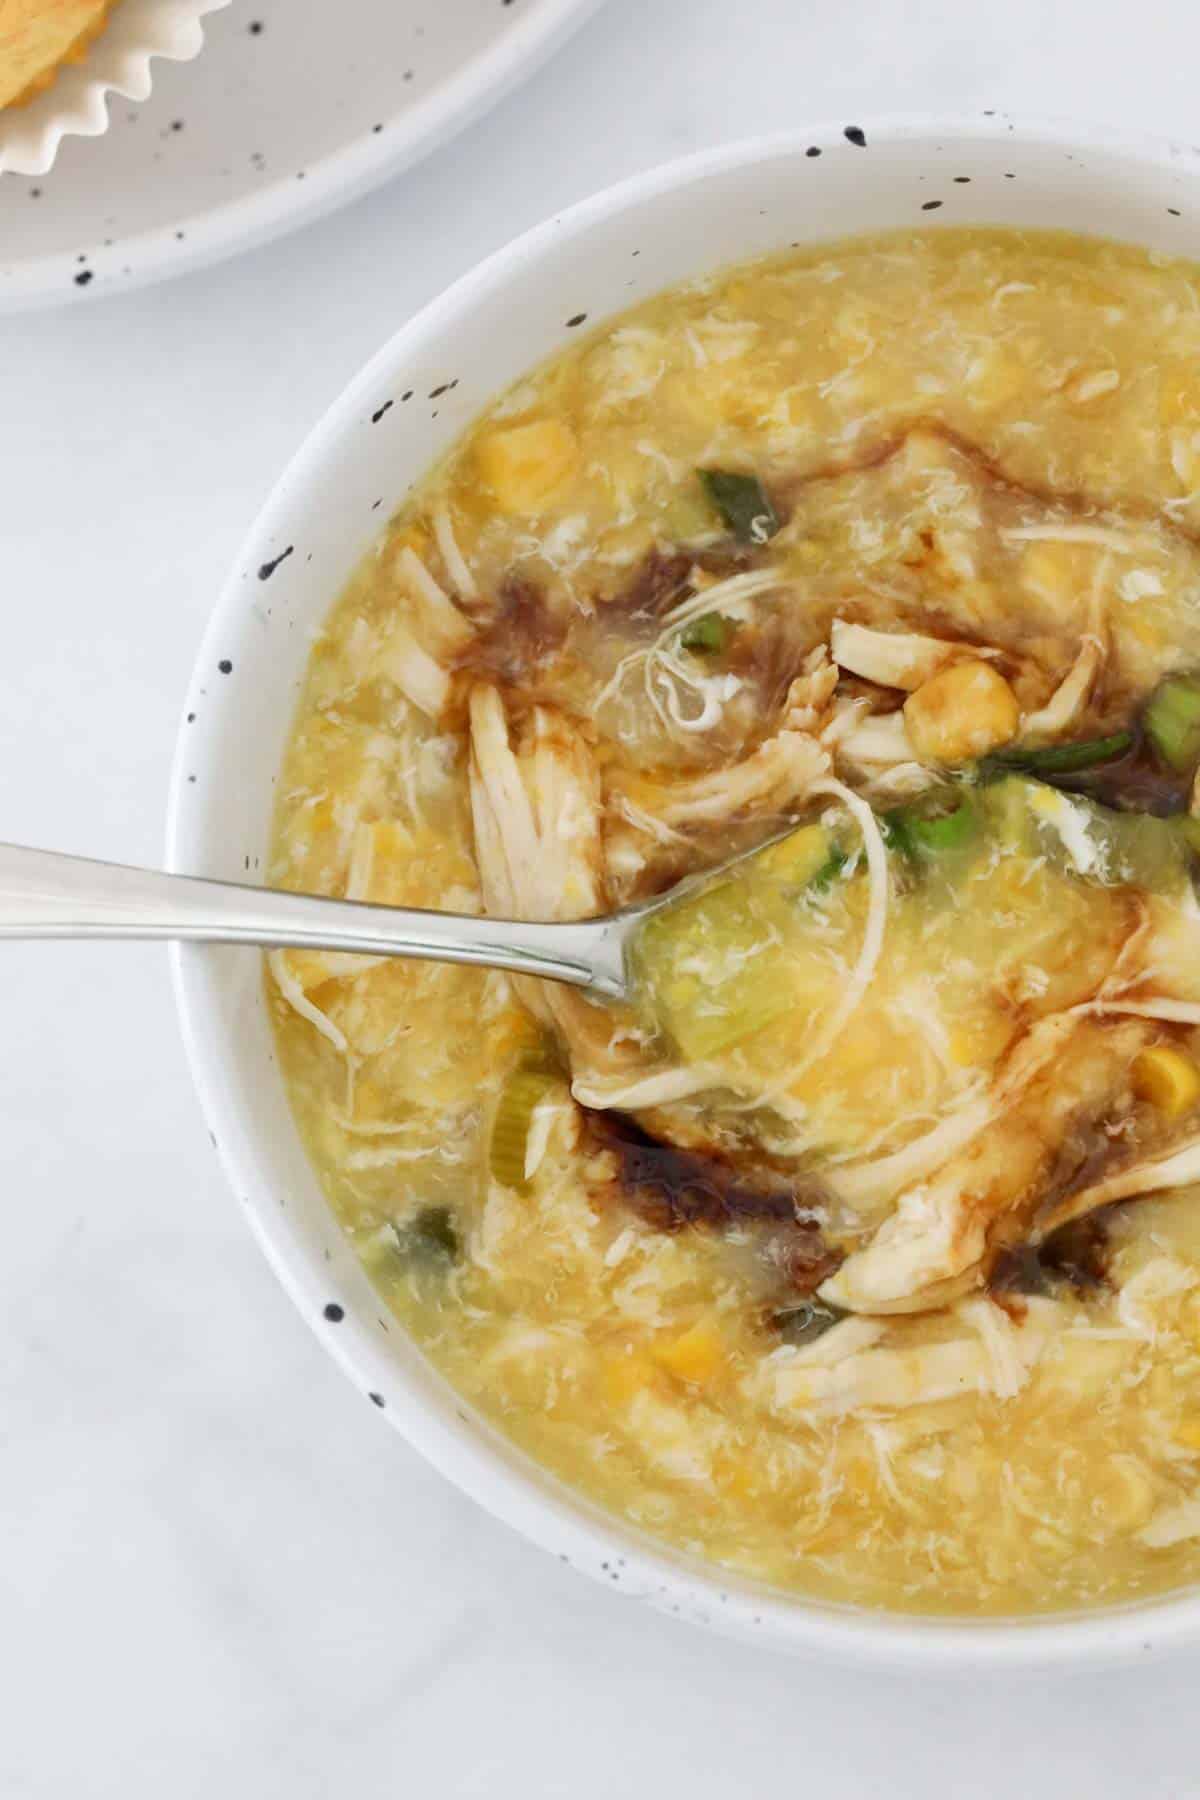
(221, 1571)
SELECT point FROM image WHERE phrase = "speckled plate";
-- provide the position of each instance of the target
(296, 107)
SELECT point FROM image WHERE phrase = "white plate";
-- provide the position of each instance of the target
(292, 108)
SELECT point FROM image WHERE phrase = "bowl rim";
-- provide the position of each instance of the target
(466, 1450)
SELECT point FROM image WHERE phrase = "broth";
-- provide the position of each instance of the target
(862, 1254)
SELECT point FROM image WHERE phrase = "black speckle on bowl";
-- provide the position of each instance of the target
(334, 1313)
(856, 135)
(267, 569)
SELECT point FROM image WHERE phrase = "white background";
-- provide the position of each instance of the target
(220, 1571)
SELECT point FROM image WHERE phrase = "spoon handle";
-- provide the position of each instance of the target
(45, 895)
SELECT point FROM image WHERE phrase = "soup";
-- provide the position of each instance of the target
(860, 1251)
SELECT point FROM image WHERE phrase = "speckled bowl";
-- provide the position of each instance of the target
(118, 62)
(403, 411)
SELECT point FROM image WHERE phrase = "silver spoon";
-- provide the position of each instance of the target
(45, 895)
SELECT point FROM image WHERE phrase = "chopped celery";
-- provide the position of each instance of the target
(1172, 722)
(1143, 851)
(716, 968)
(1114, 848)
(528, 1083)
(712, 970)
(1007, 813)
(742, 502)
(708, 635)
(1064, 759)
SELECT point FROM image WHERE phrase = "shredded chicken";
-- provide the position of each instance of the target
(777, 776)
(942, 1229)
(1176, 1166)
(1068, 703)
(536, 813)
(895, 659)
(418, 648)
(998, 1358)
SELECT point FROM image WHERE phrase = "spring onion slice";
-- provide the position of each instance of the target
(919, 833)
(708, 635)
(430, 1239)
(743, 503)
(1062, 759)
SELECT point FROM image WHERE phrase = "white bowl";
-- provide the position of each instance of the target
(402, 412)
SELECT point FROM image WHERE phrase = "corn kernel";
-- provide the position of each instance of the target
(996, 380)
(797, 857)
(1056, 571)
(523, 466)
(960, 713)
(1188, 1434)
(1167, 1079)
(694, 1357)
(737, 1475)
(624, 1375)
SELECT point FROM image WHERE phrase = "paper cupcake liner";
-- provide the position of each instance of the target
(118, 62)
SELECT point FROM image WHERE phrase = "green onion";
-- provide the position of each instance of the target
(526, 1086)
(743, 503)
(1061, 759)
(916, 832)
(708, 635)
(430, 1239)
(1172, 722)
(830, 869)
